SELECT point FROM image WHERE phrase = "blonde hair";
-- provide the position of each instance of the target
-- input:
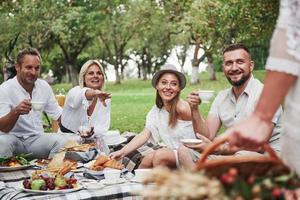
(84, 70)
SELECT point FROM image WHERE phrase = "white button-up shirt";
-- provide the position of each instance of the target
(75, 112)
(12, 94)
(230, 111)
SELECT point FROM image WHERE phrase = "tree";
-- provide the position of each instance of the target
(212, 24)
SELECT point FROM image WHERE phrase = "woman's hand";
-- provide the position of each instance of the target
(199, 147)
(250, 133)
(117, 154)
(102, 96)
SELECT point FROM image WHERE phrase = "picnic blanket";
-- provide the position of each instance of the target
(132, 160)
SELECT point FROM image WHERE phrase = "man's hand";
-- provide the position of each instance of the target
(194, 100)
(102, 96)
(23, 108)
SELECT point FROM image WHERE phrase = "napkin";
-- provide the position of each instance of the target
(82, 156)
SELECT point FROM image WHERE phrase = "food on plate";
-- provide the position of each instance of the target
(103, 161)
(59, 164)
(73, 145)
(113, 164)
(46, 182)
(14, 161)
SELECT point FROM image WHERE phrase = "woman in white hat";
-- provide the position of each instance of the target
(87, 104)
(168, 121)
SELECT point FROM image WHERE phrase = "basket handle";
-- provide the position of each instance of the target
(216, 143)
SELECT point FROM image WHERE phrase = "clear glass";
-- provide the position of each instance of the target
(101, 146)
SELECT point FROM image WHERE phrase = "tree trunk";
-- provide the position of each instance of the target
(72, 74)
(211, 67)
(139, 71)
(118, 77)
(195, 64)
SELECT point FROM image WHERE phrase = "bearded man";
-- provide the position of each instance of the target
(229, 107)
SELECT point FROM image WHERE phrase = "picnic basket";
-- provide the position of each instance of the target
(246, 165)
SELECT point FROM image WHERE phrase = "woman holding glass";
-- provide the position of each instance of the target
(87, 106)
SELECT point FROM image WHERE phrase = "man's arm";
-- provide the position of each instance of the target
(8, 121)
(208, 127)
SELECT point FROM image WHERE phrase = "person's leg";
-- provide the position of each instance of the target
(164, 157)
(147, 161)
(45, 145)
(185, 157)
(8, 145)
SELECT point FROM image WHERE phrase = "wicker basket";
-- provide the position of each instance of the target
(246, 165)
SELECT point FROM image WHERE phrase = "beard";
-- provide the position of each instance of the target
(240, 82)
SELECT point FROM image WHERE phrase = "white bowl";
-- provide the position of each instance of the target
(112, 175)
(37, 105)
(206, 95)
(141, 174)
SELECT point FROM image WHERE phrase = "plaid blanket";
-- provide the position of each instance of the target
(132, 160)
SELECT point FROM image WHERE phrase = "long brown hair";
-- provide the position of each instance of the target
(173, 111)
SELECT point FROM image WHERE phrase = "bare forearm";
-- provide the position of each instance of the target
(90, 94)
(275, 89)
(199, 124)
(136, 142)
(8, 122)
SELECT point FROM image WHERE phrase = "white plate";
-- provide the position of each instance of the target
(191, 141)
(92, 186)
(135, 180)
(6, 169)
(105, 182)
(122, 139)
(53, 191)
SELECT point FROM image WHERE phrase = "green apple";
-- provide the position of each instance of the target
(36, 184)
(60, 181)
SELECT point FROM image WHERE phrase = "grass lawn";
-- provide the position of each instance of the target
(132, 100)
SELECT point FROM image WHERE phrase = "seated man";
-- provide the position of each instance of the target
(21, 128)
(230, 106)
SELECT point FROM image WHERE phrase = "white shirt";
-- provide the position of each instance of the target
(75, 112)
(285, 57)
(230, 111)
(157, 122)
(12, 94)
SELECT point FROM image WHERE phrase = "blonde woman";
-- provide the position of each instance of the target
(87, 104)
(168, 121)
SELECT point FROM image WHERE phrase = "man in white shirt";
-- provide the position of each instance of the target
(21, 127)
(229, 107)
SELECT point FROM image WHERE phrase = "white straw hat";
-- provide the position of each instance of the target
(169, 68)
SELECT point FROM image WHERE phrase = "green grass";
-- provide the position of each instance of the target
(132, 100)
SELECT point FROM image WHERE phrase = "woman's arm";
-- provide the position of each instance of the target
(134, 144)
